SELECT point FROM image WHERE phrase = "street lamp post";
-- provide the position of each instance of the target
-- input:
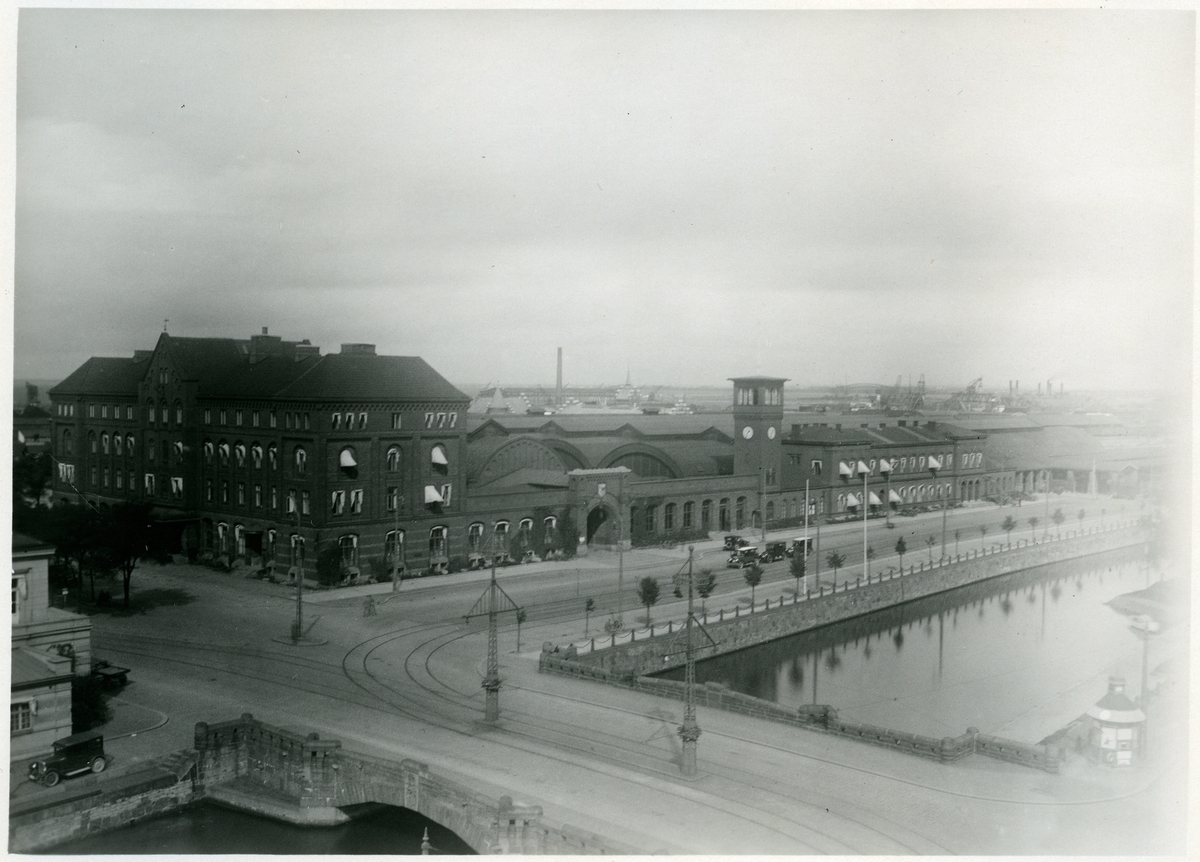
(493, 601)
(805, 549)
(865, 472)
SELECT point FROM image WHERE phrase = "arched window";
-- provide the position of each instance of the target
(239, 453)
(178, 412)
(118, 443)
(706, 515)
(651, 518)
(348, 545)
(92, 442)
(393, 459)
(669, 517)
(68, 444)
(770, 511)
(689, 514)
(740, 513)
(393, 550)
(129, 444)
(207, 449)
(104, 442)
(166, 415)
(269, 550)
(239, 540)
(223, 453)
(151, 449)
(297, 542)
(550, 532)
(525, 533)
(500, 536)
(437, 546)
(178, 447)
(150, 412)
(300, 459)
(222, 538)
(841, 502)
(723, 513)
(475, 538)
(273, 456)
(256, 456)
(348, 461)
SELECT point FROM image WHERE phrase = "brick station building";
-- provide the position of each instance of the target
(267, 452)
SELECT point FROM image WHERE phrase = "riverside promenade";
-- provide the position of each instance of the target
(405, 683)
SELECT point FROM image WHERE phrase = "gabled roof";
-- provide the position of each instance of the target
(356, 377)
(102, 375)
(222, 367)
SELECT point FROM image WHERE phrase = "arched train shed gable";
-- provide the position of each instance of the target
(523, 452)
(644, 461)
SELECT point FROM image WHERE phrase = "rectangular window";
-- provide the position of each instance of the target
(92, 477)
(816, 466)
(338, 503)
(391, 499)
(208, 490)
(132, 480)
(91, 411)
(287, 421)
(224, 490)
(149, 484)
(446, 489)
(337, 421)
(207, 415)
(362, 421)
(254, 419)
(241, 493)
(304, 503)
(166, 416)
(453, 419)
(150, 414)
(356, 497)
(223, 417)
(274, 497)
(104, 411)
(305, 421)
(395, 421)
(237, 418)
(274, 420)
(291, 502)
(119, 476)
(349, 421)
(441, 420)
(258, 496)
(177, 487)
(428, 420)
(20, 717)
(104, 477)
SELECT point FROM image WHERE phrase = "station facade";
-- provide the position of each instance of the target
(267, 452)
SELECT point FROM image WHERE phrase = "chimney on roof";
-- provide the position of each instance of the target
(261, 346)
(903, 423)
(358, 350)
(304, 350)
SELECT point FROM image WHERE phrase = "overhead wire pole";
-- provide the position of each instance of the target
(493, 602)
(689, 731)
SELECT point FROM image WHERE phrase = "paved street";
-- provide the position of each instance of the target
(405, 682)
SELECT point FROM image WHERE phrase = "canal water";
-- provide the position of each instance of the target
(204, 828)
(1018, 656)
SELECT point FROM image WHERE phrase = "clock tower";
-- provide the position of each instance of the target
(758, 428)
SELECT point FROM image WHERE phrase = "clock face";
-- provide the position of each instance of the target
(747, 432)
(771, 432)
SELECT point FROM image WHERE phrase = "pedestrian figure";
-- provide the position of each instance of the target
(396, 578)
(369, 606)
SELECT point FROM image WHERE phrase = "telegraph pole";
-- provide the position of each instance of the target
(493, 602)
(689, 732)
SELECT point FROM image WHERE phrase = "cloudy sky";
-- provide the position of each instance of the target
(825, 196)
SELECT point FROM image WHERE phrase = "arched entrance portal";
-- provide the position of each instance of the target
(602, 526)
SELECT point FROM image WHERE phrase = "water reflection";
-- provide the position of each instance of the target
(993, 669)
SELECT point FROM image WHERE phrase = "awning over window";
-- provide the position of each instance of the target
(439, 456)
(862, 467)
(844, 470)
(893, 497)
(885, 466)
(933, 463)
(851, 500)
(874, 500)
(346, 459)
(432, 495)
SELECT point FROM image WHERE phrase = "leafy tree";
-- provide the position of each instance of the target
(74, 531)
(1058, 517)
(1008, 526)
(126, 538)
(901, 549)
(798, 566)
(31, 475)
(88, 705)
(753, 576)
(836, 561)
(930, 541)
(1033, 522)
(648, 594)
(956, 535)
(705, 584)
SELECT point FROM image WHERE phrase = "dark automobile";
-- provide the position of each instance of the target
(774, 551)
(742, 557)
(110, 675)
(73, 755)
(799, 543)
(733, 543)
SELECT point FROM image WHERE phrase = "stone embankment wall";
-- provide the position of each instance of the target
(302, 779)
(659, 649)
(823, 718)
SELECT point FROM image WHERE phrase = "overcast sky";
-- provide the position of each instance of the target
(824, 196)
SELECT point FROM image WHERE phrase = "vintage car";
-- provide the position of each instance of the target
(799, 543)
(774, 551)
(110, 675)
(73, 755)
(742, 557)
(732, 543)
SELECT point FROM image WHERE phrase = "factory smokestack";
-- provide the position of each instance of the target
(558, 384)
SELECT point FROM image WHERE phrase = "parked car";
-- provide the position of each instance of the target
(797, 544)
(110, 675)
(73, 755)
(774, 551)
(743, 557)
(732, 543)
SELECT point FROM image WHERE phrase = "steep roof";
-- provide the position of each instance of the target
(103, 375)
(223, 368)
(602, 423)
(357, 377)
